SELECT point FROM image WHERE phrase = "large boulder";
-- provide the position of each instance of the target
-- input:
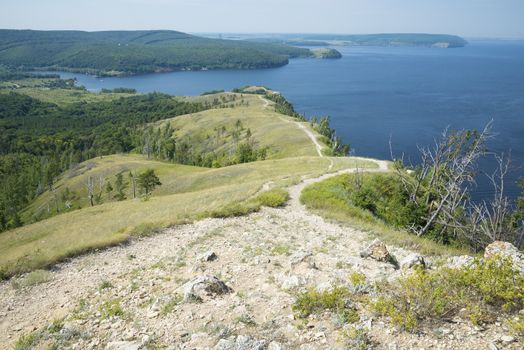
(124, 345)
(243, 342)
(506, 250)
(208, 256)
(458, 262)
(377, 250)
(300, 256)
(413, 260)
(290, 281)
(203, 287)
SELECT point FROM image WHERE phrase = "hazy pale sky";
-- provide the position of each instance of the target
(479, 18)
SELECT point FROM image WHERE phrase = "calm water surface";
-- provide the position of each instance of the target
(374, 93)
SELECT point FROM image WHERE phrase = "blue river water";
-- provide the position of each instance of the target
(374, 94)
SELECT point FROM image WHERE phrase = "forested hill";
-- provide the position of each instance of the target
(133, 52)
(390, 39)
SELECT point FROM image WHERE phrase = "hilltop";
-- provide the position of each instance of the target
(259, 235)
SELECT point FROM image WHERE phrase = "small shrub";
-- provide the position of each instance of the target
(27, 341)
(357, 278)
(335, 300)
(55, 326)
(171, 304)
(274, 198)
(111, 308)
(280, 249)
(105, 285)
(247, 320)
(484, 290)
(357, 338)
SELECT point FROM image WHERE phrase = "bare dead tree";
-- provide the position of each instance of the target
(90, 185)
(490, 221)
(444, 175)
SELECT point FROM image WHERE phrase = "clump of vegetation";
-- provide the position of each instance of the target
(247, 320)
(32, 278)
(168, 307)
(280, 249)
(276, 197)
(148, 181)
(335, 300)
(28, 341)
(105, 285)
(273, 198)
(111, 308)
(516, 326)
(483, 289)
(283, 106)
(357, 338)
(329, 137)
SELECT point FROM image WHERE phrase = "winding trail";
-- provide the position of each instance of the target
(308, 132)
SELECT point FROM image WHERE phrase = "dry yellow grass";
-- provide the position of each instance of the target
(187, 193)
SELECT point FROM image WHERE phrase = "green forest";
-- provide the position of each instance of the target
(38, 140)
(135, 52)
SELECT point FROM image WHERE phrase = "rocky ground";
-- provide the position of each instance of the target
(220, 284)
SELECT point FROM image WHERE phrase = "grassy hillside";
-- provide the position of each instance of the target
(63, 221)
(187, 193)
(131, 52)
(279, 134)
(269, 129)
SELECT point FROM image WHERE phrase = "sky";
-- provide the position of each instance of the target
(469, 18)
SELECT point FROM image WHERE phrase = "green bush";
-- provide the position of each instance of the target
(273, 198)
(335, 300)
(111, 308)
(28, 341)
(480, 292)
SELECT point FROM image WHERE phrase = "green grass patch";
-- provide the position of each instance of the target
(336, 300)
(32, 278)
(111, 308)
(280, 249)
(273, 198)
(28, 341)
(105, 285)
(168, 307)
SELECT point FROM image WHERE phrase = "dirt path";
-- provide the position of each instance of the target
(308, 132)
